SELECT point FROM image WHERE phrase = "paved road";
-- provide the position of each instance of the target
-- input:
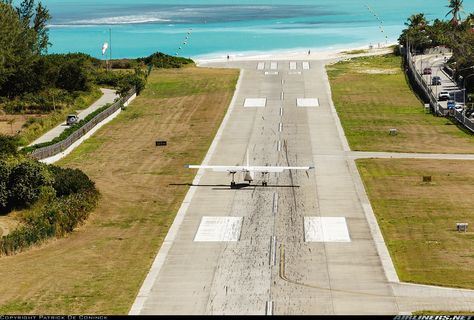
(271, 268)
(107, 97)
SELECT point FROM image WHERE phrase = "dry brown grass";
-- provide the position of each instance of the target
(418, 220)
(100, 267)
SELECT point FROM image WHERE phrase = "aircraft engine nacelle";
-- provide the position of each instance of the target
(249, 176)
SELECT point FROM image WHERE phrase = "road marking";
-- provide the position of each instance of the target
(216, 229)
(292, 65)
(272, 73)
(273, 65)
(273, 250)
(279, 145)
(275, 202)
(280, 127)
(281, 112)
(326, 229)
(282, 95)
(269, 308)
(255, 102)
(305, 65)
(261, 66)
(307, 102)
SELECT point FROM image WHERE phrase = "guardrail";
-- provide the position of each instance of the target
(433, 101)
(54, 149)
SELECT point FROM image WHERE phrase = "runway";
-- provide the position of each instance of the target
(302, 245)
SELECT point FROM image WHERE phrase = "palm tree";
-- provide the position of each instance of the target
(456, 9)
(416, 21)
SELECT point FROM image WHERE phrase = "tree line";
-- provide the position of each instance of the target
(457, 33)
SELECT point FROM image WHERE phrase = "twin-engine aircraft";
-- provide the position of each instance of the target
(248, 171)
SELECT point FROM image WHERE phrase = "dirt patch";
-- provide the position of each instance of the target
(379, 71)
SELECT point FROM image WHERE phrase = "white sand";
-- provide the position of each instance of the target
(298, 55)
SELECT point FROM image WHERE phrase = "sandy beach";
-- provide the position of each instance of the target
(299, 54)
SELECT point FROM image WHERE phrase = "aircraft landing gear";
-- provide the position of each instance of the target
(232, 183)
(264, 182)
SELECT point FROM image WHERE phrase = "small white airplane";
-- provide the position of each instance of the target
(248, 171)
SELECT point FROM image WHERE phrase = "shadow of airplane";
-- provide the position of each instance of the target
(237, 186)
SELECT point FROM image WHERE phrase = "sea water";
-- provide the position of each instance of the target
(216, 28)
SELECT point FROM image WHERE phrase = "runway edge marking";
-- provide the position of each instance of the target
(171, 236)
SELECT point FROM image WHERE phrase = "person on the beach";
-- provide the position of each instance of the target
(309, 52)
(227, 57)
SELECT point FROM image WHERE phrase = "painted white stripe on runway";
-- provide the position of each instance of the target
(326, 229)
(255, 102)
(273, 248)
(261, 66)
(279, 146)
(305, 65)
(273, 65)
(275, 203)
(281, 112)
(282, 95)
(280, 127)
(269, 308)
(271, 73)
(215, 229)
(292, 65)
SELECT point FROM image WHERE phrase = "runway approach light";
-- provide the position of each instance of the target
(104, 47)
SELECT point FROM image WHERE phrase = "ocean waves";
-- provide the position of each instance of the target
(202, 14)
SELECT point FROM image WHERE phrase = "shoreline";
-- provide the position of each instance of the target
(297, 54)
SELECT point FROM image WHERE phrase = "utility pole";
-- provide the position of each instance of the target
(110, 43)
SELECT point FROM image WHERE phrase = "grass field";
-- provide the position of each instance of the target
(418, 220)
(100, 267)
(371, 96)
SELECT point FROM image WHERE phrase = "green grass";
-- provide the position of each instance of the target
(44, 124)
(418, 220)
(371, 95)
(358, 51)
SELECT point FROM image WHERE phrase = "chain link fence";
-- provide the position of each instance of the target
(54, 149)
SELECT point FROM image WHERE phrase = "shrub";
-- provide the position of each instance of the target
(8, 145)
(26, 181)
(68, 181)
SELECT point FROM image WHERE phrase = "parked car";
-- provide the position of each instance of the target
(71, 119)
(427, 71)
(435, 81)
(443, 95)
(451, 104)
(458, 107)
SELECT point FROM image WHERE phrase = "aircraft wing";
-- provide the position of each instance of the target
(275, 169)
(249, 168)
(220, 168)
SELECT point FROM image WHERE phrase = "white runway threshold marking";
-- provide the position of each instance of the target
(271, 73)
(255, 102)
(326, 229)
(261, 66)
(292, 65)
(273, 65)
(306, 102)
(294, 72)
(305, 65)
(216, 229)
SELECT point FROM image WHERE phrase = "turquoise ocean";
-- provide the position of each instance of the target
(215, 28)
